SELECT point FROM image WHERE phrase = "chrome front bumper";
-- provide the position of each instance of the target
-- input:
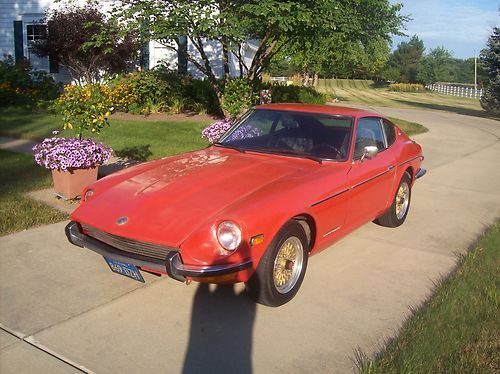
(172, 265)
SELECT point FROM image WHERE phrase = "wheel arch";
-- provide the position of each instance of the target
(309, 225)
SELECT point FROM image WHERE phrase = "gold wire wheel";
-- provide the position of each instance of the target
(402, 200)
(288, 264)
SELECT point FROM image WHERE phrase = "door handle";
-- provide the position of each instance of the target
(390, 167)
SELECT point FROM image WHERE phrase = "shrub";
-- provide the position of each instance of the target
(201, 96)
(238, 96)
(297, 94)
(407, 87)
(19, 87)
(86, 108)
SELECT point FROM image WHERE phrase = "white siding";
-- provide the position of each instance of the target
(11, 11)
(33, 10)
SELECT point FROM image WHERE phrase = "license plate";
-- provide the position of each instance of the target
(127, 270)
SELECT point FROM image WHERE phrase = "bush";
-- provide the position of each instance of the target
(297, 94)
(161, 90)
(18, 87)
(85, 108)
(407, 87)
(238, 97)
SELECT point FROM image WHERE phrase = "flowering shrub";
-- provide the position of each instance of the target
(63, 154)
(122, 96)
(215, 131)
(265, 96)
(406, 87)
(86, 108)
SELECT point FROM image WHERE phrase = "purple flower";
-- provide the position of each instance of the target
(61, 153)
(215, 131)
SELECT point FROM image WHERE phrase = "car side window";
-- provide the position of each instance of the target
(368, 133)
(390, 132)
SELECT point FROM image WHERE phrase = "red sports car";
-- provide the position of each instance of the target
(283, 183)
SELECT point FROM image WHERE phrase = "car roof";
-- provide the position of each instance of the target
(324, 109)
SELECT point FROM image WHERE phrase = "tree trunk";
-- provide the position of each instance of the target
(225, 59)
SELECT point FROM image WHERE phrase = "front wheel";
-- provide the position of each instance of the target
(400, 206)
(282, 267)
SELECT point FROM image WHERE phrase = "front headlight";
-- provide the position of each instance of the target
(88, 195)
(229, 235)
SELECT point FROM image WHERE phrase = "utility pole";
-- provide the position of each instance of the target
(475, 72)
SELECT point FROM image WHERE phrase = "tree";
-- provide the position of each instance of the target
(354, 44)
(437, 66)
(406, 59)
(86, 43)
(490, 61)
(276, 25)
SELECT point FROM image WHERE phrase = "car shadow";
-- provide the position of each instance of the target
(220, 338)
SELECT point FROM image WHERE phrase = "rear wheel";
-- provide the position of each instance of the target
(400, 206)
(282, 267)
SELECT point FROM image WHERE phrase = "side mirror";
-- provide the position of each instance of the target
(369, 152)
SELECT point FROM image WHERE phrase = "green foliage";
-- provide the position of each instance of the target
(437, 66)
(297, 94)
(238, 96)
(85, 108)
(161, 90)
(150, 92)
(406, 60)
(490, 61)
(345, 40)
(18, 87)
(311, 31)
(406, 87)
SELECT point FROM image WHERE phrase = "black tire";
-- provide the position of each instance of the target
(391, 218)
(262, 286)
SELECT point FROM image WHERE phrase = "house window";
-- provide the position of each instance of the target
(35, 32)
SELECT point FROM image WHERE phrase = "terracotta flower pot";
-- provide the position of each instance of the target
(70, 183)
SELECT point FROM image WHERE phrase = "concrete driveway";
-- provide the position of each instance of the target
(62, 310)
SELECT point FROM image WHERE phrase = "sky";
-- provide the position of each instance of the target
(461, 26)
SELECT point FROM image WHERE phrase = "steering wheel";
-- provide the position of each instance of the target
(325, 149)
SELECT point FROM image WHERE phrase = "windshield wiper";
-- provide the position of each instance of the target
(224, 145)
(290, 152)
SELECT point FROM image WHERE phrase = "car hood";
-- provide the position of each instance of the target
(166, 200)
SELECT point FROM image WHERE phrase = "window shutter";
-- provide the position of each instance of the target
(53, 65)
(18, 42)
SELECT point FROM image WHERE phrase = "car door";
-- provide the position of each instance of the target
(370, 179)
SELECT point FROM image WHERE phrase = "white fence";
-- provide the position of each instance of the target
(459, 91)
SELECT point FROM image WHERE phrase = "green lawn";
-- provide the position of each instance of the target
(131, 138)
(410, 128)
(458, 330)
(161, 138)
(362, 92)
(20, 174)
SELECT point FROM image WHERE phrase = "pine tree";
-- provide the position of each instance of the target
(490, 61)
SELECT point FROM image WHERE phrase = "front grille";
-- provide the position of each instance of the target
(129, 245)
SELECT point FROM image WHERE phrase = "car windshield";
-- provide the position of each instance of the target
(298, 134)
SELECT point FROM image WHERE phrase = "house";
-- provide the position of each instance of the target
(21, 23)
